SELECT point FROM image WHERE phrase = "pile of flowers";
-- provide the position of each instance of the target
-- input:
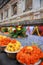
(13, 46)
(4, 40)
(18, 31)
(29, 55)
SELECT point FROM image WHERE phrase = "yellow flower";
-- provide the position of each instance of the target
(29, 47)
(18, 28)
(13, 46)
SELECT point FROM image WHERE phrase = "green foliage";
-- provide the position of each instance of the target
(16, 33)
(4, 29)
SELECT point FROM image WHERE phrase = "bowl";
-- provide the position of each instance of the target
(37, 63)
(2, 48)
(12, 55)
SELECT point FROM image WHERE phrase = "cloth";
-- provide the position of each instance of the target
(29, 29)
(40, 28)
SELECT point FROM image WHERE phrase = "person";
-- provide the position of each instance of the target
(29, 30)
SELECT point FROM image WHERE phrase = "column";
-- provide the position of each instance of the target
(10, 11)
(36, 4)
(20, 6)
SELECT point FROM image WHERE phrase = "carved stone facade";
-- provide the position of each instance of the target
(16, 7)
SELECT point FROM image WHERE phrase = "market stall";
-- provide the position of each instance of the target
(30, 40)
(21, 49)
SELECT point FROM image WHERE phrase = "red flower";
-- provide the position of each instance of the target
(13, 41)
(15, 31)
(16, 25)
